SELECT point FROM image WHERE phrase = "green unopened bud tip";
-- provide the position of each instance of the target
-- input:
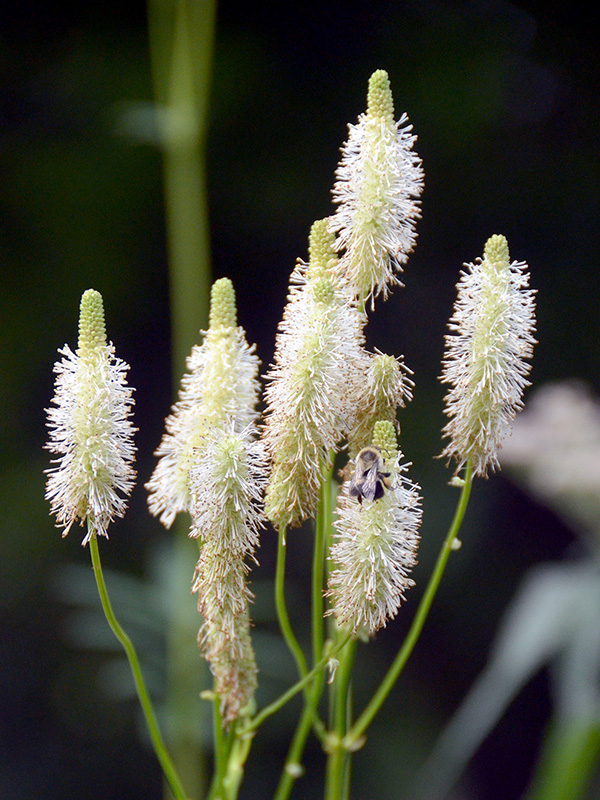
(223, 312)
(496, 250)
(92, 330)
(321, 242)
(323, 291)
(384, 437)
(380, 102)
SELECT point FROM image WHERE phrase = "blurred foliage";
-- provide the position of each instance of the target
(503, 98)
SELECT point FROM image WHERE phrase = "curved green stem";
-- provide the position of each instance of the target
(140, 686)
(282, 615)
(365, 719)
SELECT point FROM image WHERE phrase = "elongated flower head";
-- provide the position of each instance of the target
(375, 545)
(378, 183)
(221, 384)
(90, 429)
(384, 438)
(319, 357)
(385, 388)
(226, 485)
(485, 359)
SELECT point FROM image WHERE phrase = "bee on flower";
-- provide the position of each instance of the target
(376, 539)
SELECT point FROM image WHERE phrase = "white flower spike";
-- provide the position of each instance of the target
(226, 486)
(221, 385)
(378, 183)
(319, 358)
(485, 360)
(90, 429)
(386, 387)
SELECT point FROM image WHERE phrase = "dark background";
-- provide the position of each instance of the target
(504, 99)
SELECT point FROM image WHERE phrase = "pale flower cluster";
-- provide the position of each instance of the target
(221, 384)
(386, 387)
(211, 465)
(486, 355)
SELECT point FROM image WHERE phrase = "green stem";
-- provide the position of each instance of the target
(293, 769)
(282, 615)
(221, 747)
(242, 739)
(338, 758)
(235, 769)
(318, 566)
(362, 723)
(140, 686)
(181, 36)
(568, 761)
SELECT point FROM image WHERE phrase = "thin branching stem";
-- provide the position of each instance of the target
(273, 707)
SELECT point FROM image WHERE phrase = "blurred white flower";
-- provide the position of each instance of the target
(556, 446)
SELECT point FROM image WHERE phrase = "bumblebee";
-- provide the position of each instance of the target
(369, 479)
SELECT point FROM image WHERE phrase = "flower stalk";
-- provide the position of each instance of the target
(158, 744)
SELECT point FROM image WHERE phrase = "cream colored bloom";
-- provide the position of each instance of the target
(378, 181)
(485, 360)
(221, 385)
(311, 391)
(90, 429)
(226, 485)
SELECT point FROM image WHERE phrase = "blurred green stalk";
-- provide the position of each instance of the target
(568, 762)
(181, 34)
